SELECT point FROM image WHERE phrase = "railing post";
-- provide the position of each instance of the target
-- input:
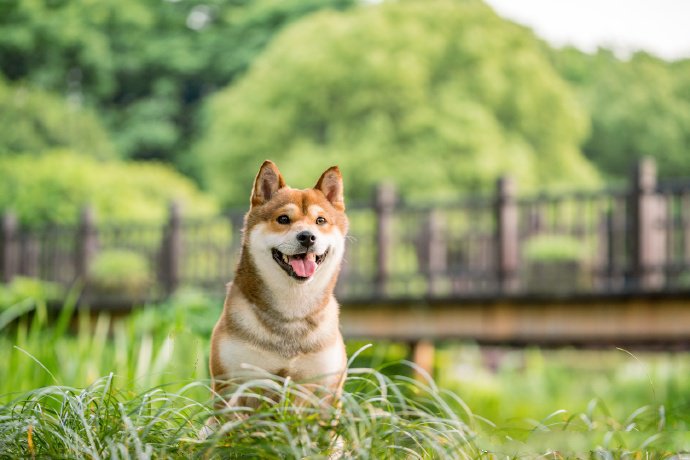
(86, 244)
(423, 353)
(10, 246)
(647, 211)
(507, 237)
(384, 204)
(171, 250)
(685, 223)
(435, 251)
(605, 250)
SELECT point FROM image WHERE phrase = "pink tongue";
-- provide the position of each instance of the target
(304, 267)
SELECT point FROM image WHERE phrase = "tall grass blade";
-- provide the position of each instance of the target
(57, 382)
(16, 311)
(66, 312)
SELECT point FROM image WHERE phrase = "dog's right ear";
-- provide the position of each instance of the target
(268, 181)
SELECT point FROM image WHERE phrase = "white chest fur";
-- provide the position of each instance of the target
(259, 349)
(245, 361)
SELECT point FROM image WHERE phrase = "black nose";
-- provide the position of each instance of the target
(306, 238)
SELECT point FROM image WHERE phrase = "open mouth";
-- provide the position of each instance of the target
(299, 266)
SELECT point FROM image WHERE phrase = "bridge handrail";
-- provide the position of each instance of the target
(595, 242)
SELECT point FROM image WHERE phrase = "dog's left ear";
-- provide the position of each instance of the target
(331, 184)
(268, 181)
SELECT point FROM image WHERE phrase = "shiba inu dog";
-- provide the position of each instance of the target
(280, 314)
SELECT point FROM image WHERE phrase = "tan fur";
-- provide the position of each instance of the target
(270, 320)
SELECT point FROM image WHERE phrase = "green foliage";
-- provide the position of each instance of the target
(53, 188)
(143, 65)
(155, 397)
(638, 107)
(148, 348)
(555, 264)
(22, 289)
(120, 271)
(433, 97)
(380, 417)
(32, 120)
(156, 350)
(554, 248)
(533, 395)
(97, 422)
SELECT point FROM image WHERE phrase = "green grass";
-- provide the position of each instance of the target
(379, 417)
(153, 346)
(82, 386)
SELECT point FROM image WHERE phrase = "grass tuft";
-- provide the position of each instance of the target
(97, 422)
(379, 417)
(155, 399)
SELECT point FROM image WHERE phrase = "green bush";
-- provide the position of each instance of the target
(555, 264)
(32, 120)
(54, 187)
(121, 272)
(23, 288)
(554, 248)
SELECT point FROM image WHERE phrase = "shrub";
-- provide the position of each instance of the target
(52, 188)
(120, 272)
(555, 264)
(554, 248)
(32, 120)
(22, 288)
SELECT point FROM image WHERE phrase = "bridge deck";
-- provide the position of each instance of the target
(642, 320)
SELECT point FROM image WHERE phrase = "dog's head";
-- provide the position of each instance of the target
(296, 236)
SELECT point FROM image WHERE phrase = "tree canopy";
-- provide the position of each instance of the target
(32, 120)
(638, 107)
(144, 66)
(436, 97)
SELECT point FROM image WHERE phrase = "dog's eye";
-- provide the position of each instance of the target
(283, 219)
(320, 221)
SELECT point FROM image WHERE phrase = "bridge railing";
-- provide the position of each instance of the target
(616, 241)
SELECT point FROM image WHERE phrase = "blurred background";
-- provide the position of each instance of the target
(517, 174)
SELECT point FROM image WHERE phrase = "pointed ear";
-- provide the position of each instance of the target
(331, 184)
(268, 181)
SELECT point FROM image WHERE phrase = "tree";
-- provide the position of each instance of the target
(33, 120)
(639, 107)
(144, 66)
(437, 97)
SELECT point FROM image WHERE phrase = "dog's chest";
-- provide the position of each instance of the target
(278, 331)
(241, 359)
(274, 340)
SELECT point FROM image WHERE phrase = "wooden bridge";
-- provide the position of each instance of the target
(585, 268)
